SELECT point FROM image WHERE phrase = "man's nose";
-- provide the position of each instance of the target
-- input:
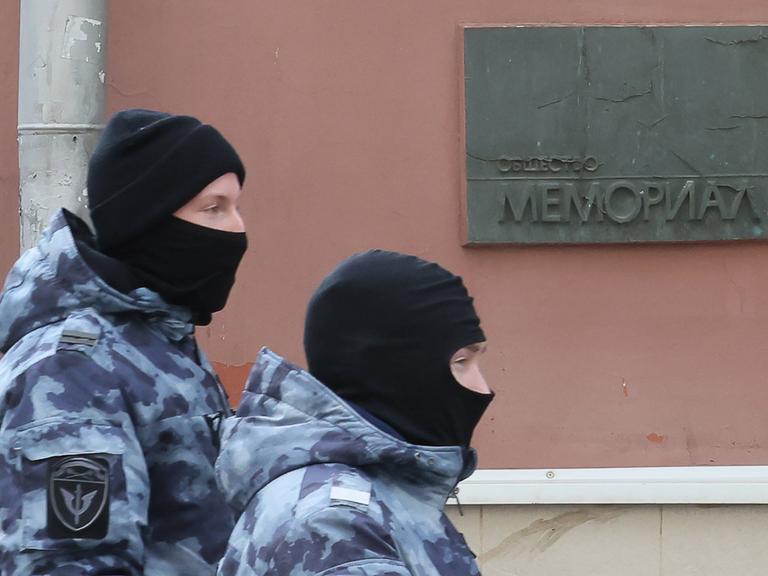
(236, 223)
(482, 385)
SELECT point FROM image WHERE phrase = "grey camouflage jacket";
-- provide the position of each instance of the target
(108, 431)
(320, 490)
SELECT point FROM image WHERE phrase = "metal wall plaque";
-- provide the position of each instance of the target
(616, 134)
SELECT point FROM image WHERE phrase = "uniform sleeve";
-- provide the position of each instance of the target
(74, 489)
(338, 541)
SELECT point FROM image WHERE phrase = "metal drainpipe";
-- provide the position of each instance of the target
(62, 64)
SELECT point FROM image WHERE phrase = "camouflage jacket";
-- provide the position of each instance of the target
(320, 490)
(108, 431)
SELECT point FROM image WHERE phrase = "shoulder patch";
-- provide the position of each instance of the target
(80, 333)
(350, 490)
(78, 497)
(341, 494)
(76, 337)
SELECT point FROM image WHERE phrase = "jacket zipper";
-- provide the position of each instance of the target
(455, 495)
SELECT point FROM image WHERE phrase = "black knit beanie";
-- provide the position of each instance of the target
(146, 166)
(380, 332)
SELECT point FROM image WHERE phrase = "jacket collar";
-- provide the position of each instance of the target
(52, 280)
(288, 420)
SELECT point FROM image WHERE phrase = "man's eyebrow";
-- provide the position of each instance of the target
(208, 193)
(478, 347)
(215, 197)
(219, 195)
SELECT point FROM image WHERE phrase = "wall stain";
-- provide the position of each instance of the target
(656, 438)
(691, 446)
(549, 530)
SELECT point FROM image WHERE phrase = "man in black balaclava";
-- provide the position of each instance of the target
(381, 331)
(104, 385)
(349, 466)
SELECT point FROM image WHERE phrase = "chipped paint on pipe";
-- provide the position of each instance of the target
(62, 64)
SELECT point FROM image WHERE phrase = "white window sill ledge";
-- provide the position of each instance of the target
(669, 485)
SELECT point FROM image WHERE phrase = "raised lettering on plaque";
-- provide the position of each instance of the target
(616, 134)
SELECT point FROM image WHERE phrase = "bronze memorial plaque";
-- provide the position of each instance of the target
(616, 134)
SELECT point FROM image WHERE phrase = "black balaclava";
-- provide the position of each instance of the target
(147, 165)
(380, 332)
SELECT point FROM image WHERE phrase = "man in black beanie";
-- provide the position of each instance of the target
(346, 469)
(109, 413)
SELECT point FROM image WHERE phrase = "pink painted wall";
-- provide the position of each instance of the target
(347, 115)
(9, 158)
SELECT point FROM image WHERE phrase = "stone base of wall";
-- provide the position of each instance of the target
(605, 540)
